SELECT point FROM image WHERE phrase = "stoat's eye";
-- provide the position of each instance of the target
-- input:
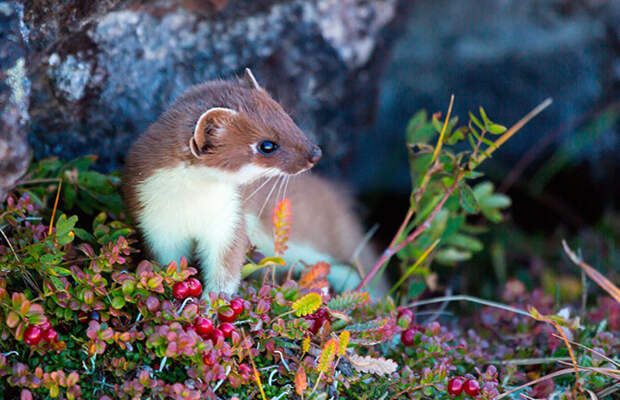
(267, 147)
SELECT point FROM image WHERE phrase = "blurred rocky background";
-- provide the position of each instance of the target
(86, 77)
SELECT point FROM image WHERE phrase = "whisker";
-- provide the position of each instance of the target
(268, 197)
(288, 178)
(259, 188)
(279, 196)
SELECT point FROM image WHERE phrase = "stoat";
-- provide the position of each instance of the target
(191, 182)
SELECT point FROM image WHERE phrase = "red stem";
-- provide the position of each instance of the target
(393, 248)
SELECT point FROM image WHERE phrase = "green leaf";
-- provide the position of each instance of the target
(118, 302)
(486, 119)
(57, 283)
(465, 242)
(467, 199)
(451, 255)
(496, 129)
(84, 234)
(64, 229)
(12, 319)
(483, 189)
(415, 289)
(475, 120)
(36, 319)
(348, 301)
(62, 271)
(496, 201)
(50, 259)
(419, 130)
(68, 196)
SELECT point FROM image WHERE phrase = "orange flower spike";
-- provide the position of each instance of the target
(282, 225)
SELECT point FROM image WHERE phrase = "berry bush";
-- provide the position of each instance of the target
(84, 315)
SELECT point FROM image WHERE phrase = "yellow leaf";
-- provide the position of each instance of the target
(343, 342)
(305, 345)
(307, 304)
(249, 269)
(327, 355)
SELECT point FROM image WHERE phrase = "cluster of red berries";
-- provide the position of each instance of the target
(317, 319)
(407, 336)
(190, 287)
(461, 384)
(204, 327)
(34, 333)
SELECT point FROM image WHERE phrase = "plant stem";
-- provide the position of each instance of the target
(513, 129)
(317, 383)
(443, 130)
(471, 299)
(395, 248)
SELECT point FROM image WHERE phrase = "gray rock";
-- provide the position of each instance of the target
(101, 84)
(507, 56)
(14, 93)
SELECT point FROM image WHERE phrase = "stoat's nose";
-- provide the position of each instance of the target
(315, 154)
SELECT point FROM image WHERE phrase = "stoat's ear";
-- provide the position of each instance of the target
(206, 128)
(249, 80)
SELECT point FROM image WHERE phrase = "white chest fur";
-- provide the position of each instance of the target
(188, 206)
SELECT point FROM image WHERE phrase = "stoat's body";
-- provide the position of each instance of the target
(190, 184)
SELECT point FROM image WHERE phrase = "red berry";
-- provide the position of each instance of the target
(472, 387)
(180, 290)
(203, 327)
(227, 315)
(405, 311)
(195, 287)
(82, 317)
(455, 386)
(407, 337)
(227, 329)
(45, 326)
(216, 334)
(32, 335)
(50, 335)
(237, 305)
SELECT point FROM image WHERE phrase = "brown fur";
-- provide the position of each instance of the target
(322, 213)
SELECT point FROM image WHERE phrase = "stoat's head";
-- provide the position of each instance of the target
(249, 135)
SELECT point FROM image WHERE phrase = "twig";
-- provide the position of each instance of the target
(535, 381)
(511, 131)
(470, 299)
(530, 361)
(440, 310)
(592, 273)
(256, 374)
(390, 251)
(617, 364)
(360, 247)
(11, 246)
(443, 130)
(49, 232)
(538, 316)
(608, 390)
(412, 269)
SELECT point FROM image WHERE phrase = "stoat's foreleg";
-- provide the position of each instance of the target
(221, 262)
